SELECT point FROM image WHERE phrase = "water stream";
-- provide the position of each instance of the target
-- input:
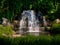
(29, 23)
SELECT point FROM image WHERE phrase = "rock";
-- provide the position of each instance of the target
(4, 23)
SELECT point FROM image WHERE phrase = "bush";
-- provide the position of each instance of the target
(55, 29)
(5, 30)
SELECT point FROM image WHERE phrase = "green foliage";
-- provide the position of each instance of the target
(51, 17)
(8, 8)
(55, 29)
(31, 40)
(5, 30)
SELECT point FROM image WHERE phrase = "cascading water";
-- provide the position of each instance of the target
(29, 18)
(23, 25)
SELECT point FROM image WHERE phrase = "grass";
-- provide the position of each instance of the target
(31, 40)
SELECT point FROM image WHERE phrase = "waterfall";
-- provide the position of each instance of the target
(29, 18)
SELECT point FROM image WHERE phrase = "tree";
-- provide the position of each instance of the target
(9, 8)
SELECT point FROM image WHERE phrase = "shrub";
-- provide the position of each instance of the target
(5, 30)
(55, 29)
